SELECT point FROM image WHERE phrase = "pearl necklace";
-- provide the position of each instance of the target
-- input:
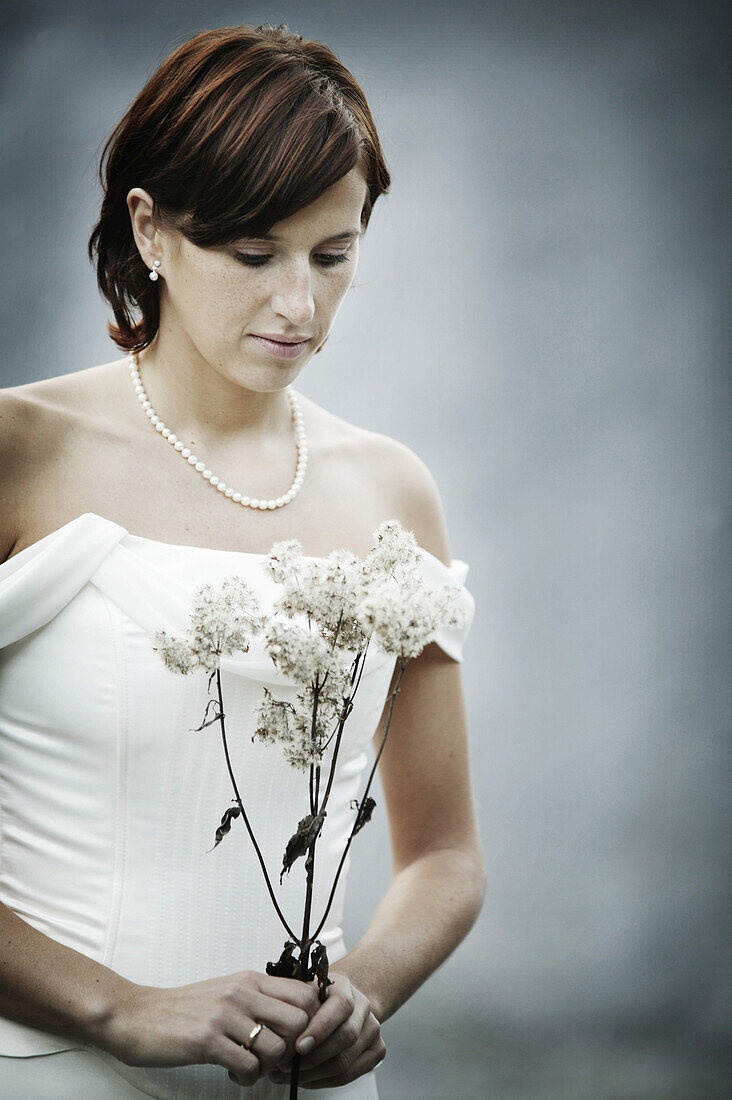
(221, 486)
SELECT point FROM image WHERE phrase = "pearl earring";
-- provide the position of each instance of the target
(154, 272)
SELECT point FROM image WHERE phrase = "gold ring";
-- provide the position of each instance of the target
(252, 1036)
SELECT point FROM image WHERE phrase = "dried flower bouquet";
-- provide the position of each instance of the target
(329, 611)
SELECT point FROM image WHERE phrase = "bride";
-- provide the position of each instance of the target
(237, 190)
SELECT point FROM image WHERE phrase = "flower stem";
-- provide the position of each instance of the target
(395, 692)
(294, 1074)
(362, 655)
(332, 767)
(240, 804)
(356, 677)
(305, 942)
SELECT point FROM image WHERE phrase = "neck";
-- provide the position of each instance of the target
(197, 401)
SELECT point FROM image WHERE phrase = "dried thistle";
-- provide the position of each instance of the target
(222, 623)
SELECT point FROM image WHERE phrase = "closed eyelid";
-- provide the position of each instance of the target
(323, 259)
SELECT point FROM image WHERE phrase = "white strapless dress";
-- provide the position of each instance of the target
(109, 801)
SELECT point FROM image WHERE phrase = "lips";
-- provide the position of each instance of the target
(278, 348)
(282, 339)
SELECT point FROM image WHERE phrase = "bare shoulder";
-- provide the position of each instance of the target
(71, 391)
(36, 419)
(393, 475)
(59, 397)
(22, 438)
(34, 416)
(416, 499)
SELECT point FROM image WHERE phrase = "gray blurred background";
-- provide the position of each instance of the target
(539, 313)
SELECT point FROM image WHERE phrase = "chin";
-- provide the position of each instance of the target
(266, 381)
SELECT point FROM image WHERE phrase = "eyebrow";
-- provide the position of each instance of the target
(345, 235)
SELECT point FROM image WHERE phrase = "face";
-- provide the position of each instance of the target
(219, 304)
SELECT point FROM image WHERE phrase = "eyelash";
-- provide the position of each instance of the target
(324, 261)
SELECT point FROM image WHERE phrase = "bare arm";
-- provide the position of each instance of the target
(438, 885)
(439, 876)
(42, 982)
(53, 987)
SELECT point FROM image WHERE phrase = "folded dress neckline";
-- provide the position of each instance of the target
(177, 545)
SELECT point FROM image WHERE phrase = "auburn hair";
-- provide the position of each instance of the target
(237, 129)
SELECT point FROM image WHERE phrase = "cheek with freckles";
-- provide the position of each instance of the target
(216, 303)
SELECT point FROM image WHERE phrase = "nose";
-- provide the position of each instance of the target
(293, 297)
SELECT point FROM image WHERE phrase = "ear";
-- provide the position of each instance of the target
(140, 205)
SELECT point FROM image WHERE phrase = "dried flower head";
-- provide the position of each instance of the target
(405, 617)
(273, 720)
(306, 656)
(396, 553)
(303, 728)
(284, 559)
(327, 591)
(223, 622)
(177, 653)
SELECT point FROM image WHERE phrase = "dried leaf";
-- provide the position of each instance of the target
(225, 825)
(210, 721)
(364, 814)
(319, 968)
(308, 830)
(286, 966)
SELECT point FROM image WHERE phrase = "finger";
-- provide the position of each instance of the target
(267, 1047)
(303, 995)
(340, 1070)
(342, 1058)
(243, 1065)
(354, 1034)
(287, 1020)
(337, 1007)
(324, 1060)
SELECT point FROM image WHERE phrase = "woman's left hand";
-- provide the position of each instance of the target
(347, 1038)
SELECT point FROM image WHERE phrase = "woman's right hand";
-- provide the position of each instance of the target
(206, 1022)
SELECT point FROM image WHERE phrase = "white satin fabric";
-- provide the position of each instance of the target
(109, 800)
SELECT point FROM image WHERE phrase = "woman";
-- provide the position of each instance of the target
(236, 191)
